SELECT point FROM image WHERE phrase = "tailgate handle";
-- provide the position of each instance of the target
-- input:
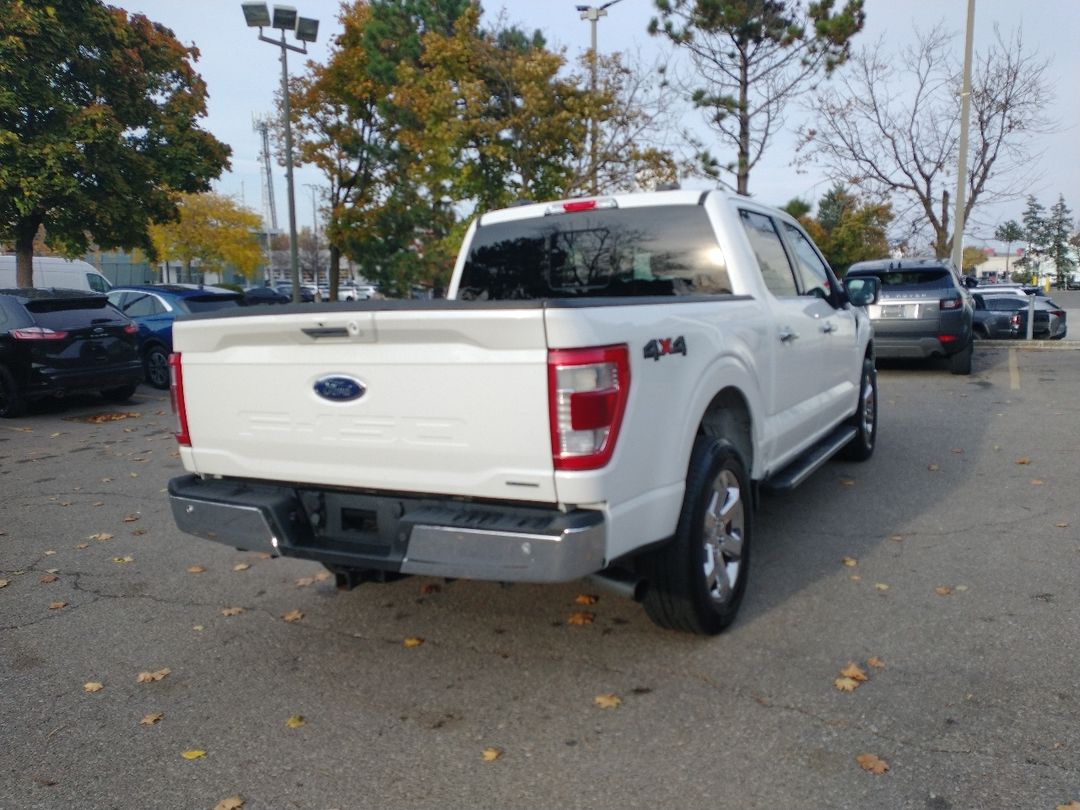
(326, 332)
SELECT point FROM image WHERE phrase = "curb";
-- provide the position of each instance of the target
(1029, 345)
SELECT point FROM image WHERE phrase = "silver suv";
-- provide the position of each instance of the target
(924, 311)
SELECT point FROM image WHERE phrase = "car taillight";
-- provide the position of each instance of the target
(587, 393)
(947, 339)
(131, 329)
(951, 303)
(37, 333)
(176, 395)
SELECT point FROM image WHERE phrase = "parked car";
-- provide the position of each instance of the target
(306, 295)
(997, 323)
(925, 310)
(50, 271)
(154, 307)
(357, 292)
(264, 295)
(59, 342)
(1050, 320)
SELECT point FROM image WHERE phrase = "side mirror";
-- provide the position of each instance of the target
(862, 290)
(971, 282)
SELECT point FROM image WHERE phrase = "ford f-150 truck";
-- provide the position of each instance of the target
(607, 386)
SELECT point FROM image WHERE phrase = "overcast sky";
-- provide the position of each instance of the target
(243, 73)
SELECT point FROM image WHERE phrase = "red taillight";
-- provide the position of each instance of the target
(37, 333)
(587, 393)
(176, 394)
(947, 339)
(951, 303)
(131, 329)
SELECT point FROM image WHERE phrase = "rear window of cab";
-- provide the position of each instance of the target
(662, 250)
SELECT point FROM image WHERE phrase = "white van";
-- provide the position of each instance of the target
(52, 272)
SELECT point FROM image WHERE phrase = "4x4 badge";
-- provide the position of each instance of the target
(661, 347)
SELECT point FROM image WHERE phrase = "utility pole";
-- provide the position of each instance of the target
(593, 14)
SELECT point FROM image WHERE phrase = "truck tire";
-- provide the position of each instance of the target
(864, 420)
(960, 363)
(12, 402)
(697, 580)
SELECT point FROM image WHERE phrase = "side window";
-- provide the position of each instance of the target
(811, 268)
(140, 306)
(97, 283)
(773, 261)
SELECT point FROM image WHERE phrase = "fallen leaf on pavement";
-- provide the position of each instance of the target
(586, 599)
(195, 753)
(151, 719)
(846, 684)
(876, 663)
(292, 616)
(1073, 805)
(429, 588)
(231, 803)
(850, 562)
(49, 553)
(1023, 461)
(232, 611)
(872, 763)
(125, 559)
(933, 467)
(412, 642)
(130, 518)
(241, 567)
(1062, 525)
(322, 576)
(57, 605)
(856, 578)
(957, 450)
(581, 618)
(491, 754)
(196, 569)
(198, 628)
(608, 701)
(847, 482)
(150, 677)
(303, 582)
(100, 536)
(295, 721)
(81, 546)
(93, 686)
(4, 583)
(1037, 482)
(961, 588)
(854, 671)
(45, 580)
(116, 416)
(943, 590)
(881, 586)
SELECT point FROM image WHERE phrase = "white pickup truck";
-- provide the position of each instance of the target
(607, 385)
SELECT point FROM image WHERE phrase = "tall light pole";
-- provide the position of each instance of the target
(961, 168)
(593, 14)
(306, 30)
(315, 230)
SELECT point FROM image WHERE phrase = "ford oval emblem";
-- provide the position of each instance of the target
(339, 388)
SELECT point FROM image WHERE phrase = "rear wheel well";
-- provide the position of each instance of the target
(728, 417)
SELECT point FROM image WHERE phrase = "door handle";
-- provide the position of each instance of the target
(787, 334)
(828, 327)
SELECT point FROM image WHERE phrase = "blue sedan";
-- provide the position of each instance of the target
(154, 307)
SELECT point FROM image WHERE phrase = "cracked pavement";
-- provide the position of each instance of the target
(978, 705)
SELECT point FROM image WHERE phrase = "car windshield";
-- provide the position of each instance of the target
(662, 250)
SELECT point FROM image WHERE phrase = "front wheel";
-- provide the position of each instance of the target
(697, 580)
(156, 365)
(864, 420)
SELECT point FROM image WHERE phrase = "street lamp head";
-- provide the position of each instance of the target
(256, 14)
(582, 8)
(307, 29)
(285, 18)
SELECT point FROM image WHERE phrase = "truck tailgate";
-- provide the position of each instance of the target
(454, 401)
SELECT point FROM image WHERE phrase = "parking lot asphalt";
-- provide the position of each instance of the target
(945, 568)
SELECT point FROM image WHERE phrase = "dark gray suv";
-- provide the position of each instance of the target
(924, 310)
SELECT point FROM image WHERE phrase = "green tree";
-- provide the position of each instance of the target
(972, 258)
(98, 127)
(1009, 232)
(213, 231)
(847, 229)
(752, 57)
(1058, 225)
(1034, 224)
